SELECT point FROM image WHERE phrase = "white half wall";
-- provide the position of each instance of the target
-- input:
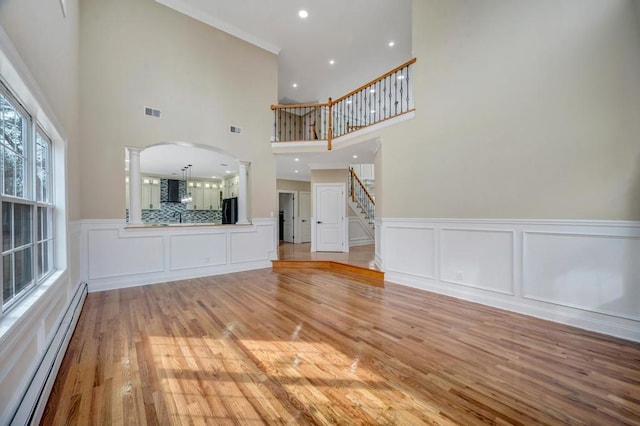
(117, 256)
(581, 273)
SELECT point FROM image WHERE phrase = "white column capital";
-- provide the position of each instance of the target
(134, 150)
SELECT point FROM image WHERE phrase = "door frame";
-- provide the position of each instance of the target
(300, 215)
(296, 228)
(343, 206)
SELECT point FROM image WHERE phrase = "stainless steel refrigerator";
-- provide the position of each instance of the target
(230, 211)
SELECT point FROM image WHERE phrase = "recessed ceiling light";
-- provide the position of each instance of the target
(303, 14)
(227, 171)
(372, 91)
(401, 77)
(373, 111)
(355, 156)
(296, 159)
(295, 171)
(295, 85)
(331, 62)
(349, 101)
(392, 43)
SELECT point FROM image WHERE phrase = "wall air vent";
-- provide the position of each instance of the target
(152, 112)
(235, 129)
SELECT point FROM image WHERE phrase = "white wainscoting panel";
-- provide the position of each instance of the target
(581, 273)
(477, 258)
(599, 273)
(196, 251)
(259, 244)
(118, 256)
(409, 250)
(25, 334)
(135, 254)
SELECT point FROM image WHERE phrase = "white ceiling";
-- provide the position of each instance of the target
(354, 33)
(168, 160)
(286, 164)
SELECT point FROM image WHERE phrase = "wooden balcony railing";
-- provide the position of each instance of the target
(381, 99)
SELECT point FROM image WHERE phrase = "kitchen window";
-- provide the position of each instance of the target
(27, 202)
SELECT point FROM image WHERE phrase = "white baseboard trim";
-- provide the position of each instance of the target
(580, 273)
(35, 398)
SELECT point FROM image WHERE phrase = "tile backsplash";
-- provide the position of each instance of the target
(172, 212)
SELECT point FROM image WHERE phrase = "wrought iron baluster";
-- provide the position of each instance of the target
(384, 95)
(287, 128)
(395, 97)
(402, 105)
(380, 96)
(408, 91)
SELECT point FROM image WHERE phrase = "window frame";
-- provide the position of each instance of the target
(31, 130)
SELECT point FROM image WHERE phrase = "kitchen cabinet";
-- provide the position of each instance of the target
(230, 189)
(150, 196)
(205, 195)
(196, 190)
(211, 196)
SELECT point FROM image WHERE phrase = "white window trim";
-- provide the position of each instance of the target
(16, 76)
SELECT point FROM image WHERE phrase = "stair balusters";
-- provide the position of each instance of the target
(361, 196)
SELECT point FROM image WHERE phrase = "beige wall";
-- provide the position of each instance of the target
(524, 110)
(293, 185)
(329, 176)
(139, 53)
(48, 43)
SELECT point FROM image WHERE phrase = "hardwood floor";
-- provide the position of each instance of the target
(314, 347)
(361, 256)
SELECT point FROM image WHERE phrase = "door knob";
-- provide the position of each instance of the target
(319, 222)
(304, 220)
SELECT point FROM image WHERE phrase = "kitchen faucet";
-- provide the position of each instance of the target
(179, 216)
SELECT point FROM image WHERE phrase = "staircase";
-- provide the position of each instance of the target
(362, 202)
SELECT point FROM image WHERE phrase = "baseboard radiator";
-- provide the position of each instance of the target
(35, 398)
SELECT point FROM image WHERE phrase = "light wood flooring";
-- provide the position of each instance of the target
(314, 347)
(361, 256)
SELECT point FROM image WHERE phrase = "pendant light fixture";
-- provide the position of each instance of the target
(186, 177)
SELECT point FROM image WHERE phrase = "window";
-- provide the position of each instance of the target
(27, 209)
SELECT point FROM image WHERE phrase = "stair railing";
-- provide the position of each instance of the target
(383, 98)
(304, 122)
(361, 196)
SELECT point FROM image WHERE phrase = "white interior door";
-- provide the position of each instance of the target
(305, 217)
(330, 216)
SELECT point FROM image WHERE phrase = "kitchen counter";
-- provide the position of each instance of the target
(179, 225)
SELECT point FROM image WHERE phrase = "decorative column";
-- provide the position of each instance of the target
(242, 192)
(135, 194)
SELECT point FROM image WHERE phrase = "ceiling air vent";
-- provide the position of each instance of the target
(152, 112)
(235, 129)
